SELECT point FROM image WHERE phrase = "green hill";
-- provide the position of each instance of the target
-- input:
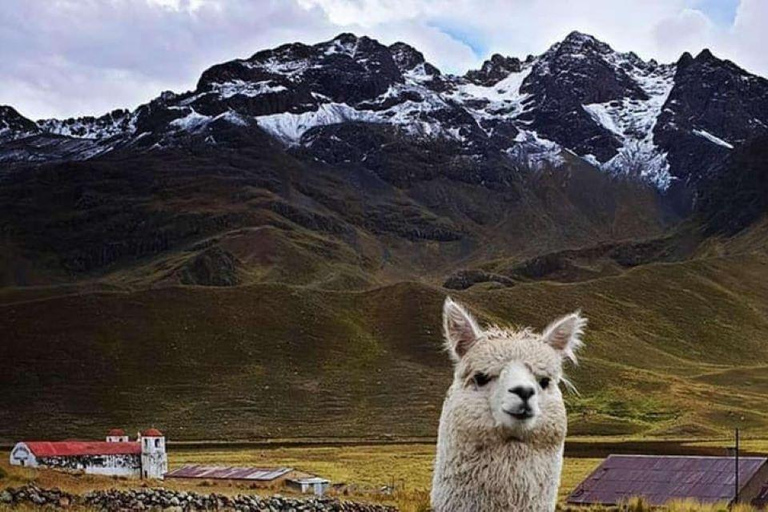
(672, 349)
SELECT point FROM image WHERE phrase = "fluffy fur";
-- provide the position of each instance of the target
(503, 425)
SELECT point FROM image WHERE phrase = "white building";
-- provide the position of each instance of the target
(154, 460)
(117, 435)
(310, 484)
(145, 457)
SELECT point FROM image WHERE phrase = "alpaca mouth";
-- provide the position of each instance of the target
(522, 415)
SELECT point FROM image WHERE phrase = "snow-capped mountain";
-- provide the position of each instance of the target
(660, 123)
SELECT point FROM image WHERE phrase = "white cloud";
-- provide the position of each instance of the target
(689, 30)
(748, 39)
(75, 57)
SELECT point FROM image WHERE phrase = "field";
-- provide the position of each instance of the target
(366, 469)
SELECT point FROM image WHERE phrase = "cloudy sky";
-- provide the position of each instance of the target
(61, 58)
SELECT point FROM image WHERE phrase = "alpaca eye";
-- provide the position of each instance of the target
(544, 382)
(481, 379)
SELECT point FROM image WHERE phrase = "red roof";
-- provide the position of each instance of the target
(116, 432)
(68, 448)
(661, 479)
(152, 432)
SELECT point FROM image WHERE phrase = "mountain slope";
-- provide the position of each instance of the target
(265, 256)
(279, 361)
(267, 215)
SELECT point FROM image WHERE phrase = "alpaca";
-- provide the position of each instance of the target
(503, 424)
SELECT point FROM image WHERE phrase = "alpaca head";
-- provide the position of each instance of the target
(506, 382)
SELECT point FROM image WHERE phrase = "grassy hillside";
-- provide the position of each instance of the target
(673, 349)
(249, 292)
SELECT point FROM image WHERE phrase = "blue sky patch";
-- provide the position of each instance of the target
(473, 39)
(721, 12)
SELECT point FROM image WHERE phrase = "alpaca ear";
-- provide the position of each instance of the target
(564, 334)
(459, 328)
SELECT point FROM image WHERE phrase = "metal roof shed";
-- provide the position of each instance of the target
(262, 475)
(660, 479)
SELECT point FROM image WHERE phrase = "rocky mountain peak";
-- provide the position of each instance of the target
(13, 125)
(494, 70)
(409, 59)
(578, 43)
(336, 99)
(705, 54)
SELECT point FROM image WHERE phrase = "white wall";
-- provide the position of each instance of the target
(119, 465)
(154, 460)
(21, 455)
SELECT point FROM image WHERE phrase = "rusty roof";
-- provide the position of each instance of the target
(73, 448)
(228, 473)
(661, 479)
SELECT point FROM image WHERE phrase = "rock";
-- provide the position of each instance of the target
(178, 501)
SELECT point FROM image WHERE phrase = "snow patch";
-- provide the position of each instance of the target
(503, 100)
(632, 121)
(250, 89)
(534, 151)
(290, 127)
(713, 139)
(191, 122)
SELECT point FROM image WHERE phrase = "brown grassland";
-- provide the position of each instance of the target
(365, 468)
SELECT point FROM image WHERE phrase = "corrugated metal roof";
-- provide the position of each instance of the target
(73, 448)
(311, 480)
(228, 473)
(661, 479)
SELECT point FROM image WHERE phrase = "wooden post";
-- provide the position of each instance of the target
(736, 489)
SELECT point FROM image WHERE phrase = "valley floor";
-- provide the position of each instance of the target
(366, 469)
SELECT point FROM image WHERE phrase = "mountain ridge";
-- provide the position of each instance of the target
(609, 108)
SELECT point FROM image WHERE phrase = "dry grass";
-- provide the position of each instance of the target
(365, 468)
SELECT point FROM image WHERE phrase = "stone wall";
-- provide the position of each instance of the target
(179, 501)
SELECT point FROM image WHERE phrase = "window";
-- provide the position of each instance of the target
(157, 443)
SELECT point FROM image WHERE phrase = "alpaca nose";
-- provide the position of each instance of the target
(524, 392)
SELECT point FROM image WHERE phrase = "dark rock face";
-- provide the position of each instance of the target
(573, 73)
(347, 69)
(714, 105)
(494, 70)
(735, 195)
